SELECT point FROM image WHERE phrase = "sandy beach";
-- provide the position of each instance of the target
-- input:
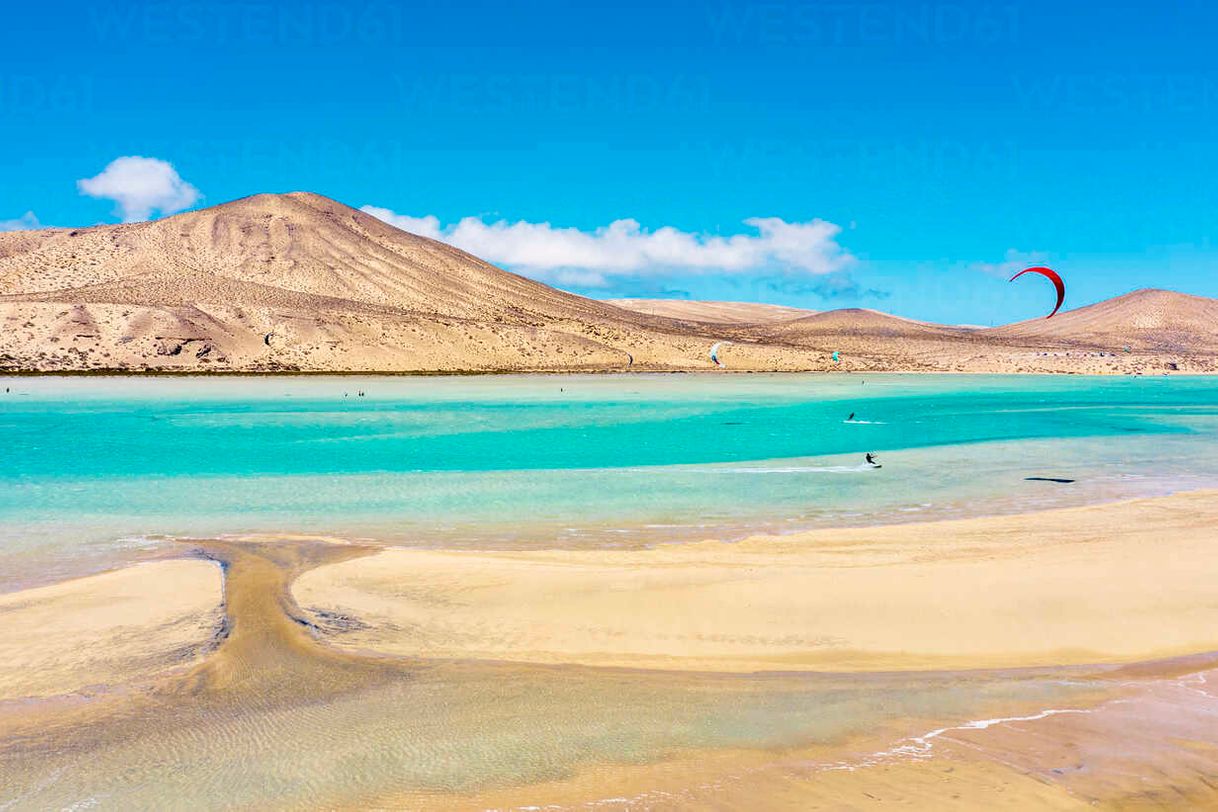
(110, 629)
(1113, 583)
(394, 638)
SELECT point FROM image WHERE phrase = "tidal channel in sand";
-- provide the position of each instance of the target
(276, 716)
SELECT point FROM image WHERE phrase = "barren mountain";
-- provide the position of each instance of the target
(1158, 320)
(288, 250)
(713, 312)
(1154, 331)
(298, 282)
(862, 324)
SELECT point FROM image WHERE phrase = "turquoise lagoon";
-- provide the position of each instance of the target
(97, 471)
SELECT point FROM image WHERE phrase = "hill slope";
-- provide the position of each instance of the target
(713, 312)
(860, 323)
(301, 282)
(1145, 319)
(298, 282)
(297, 243)
(1163, 331)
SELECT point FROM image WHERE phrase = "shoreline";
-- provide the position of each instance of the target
(1146, 746)
(168, 548)
(328, 591)
(473, 373)
(729, 534)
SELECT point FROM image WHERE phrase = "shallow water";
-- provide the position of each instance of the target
(96, 471)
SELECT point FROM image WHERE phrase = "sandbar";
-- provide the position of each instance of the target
(108, 629)
(1112, 583)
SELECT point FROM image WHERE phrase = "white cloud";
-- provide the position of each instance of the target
(623, 248)
(140, 186)
(25, 222)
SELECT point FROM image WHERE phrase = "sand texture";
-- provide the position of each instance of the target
(115, 628)
(281, 714)
(1124, 582)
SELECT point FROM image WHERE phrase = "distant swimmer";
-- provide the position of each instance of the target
(872, 461)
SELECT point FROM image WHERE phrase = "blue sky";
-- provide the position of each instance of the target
(946, 142)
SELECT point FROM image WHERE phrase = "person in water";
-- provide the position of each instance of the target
(871, 460)
(850, 419)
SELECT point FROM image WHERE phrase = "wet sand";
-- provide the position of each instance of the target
(1152, 746)
(284, 714)
(1103, 584)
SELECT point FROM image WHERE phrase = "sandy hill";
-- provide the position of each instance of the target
(861, 323)
(1164, 331)
(1146, 319)
(295, 249)
(714, 312)
(299, 282)
(869, 339)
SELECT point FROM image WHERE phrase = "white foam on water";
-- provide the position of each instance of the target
(915, 747)
(1196, 683)
(918, 747)
(141, 541)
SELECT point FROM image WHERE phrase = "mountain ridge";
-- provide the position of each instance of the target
(300, 282)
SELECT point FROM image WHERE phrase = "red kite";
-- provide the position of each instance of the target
(1053, 277)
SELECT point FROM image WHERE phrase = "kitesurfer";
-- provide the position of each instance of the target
(1054, 277)
(871, 460)
(850, 419)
